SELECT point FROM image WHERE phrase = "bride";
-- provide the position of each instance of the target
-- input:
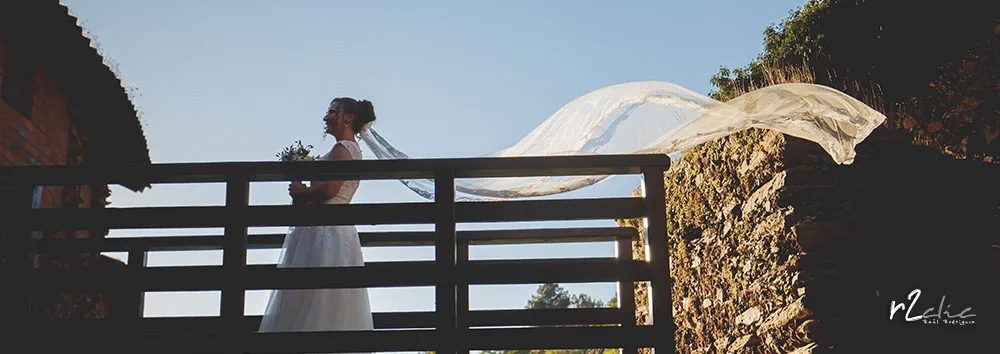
(325, 246)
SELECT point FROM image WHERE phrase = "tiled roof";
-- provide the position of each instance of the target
(62, 49)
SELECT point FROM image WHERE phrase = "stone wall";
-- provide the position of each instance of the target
(775, 249)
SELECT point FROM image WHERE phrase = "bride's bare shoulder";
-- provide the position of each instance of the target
(341, 152)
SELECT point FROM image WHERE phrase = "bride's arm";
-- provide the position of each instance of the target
(321, 191)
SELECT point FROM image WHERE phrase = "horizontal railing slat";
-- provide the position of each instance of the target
(127, 341)
(553, 235)
(375, 274)
(561, 338)
(382, 320)
(311, 215)
(329, 170)
(538, 271)
(368, 239)
(257, 277)
(547, 317)
(347, 341)
(550, 210)
(215, 216)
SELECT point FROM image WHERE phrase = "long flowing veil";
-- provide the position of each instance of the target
(661, 117)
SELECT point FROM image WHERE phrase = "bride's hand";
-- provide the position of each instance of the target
(296, 189)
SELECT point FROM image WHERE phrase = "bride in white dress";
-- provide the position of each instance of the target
(325, 246)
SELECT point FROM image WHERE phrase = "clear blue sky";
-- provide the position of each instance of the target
(239, 80)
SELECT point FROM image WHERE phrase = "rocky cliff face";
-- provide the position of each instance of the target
(776, 249)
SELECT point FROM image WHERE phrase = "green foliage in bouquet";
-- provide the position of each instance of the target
(297, 152)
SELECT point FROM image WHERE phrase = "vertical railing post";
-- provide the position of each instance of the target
(462, 297)
(134, 308)
(234, 257)
(659, 258)
(19, 263)
(445, 258)
(626, 293)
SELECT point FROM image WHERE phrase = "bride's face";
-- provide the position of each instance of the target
(337, 122)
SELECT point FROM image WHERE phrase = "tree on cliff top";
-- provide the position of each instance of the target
(896, 45)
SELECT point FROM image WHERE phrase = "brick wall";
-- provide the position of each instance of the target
(49, 137)
(40, 139)
(53, 136)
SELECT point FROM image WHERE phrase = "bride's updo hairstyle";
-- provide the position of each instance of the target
(364, 111)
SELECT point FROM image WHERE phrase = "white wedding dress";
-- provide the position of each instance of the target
(322, 246)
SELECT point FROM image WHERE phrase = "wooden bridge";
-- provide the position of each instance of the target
(452, 327)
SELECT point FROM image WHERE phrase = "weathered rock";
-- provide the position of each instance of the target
(770, 225)
(793, 311)
(807, 329)
(722, 344)
(750, 316)
(732, 211)
(754, 162)
(747, 341)
(808, 349)
(763, 196)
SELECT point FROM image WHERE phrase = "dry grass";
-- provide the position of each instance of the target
(774, 74)
(802, 72)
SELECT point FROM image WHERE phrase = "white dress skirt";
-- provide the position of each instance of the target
(321, 246)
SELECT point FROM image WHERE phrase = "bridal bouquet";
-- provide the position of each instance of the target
(297, 152)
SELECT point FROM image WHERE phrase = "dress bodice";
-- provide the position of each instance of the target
(347, 190)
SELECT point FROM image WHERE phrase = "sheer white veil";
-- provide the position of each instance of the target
(660, 117)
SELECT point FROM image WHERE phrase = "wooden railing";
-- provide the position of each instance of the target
(452, 327)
